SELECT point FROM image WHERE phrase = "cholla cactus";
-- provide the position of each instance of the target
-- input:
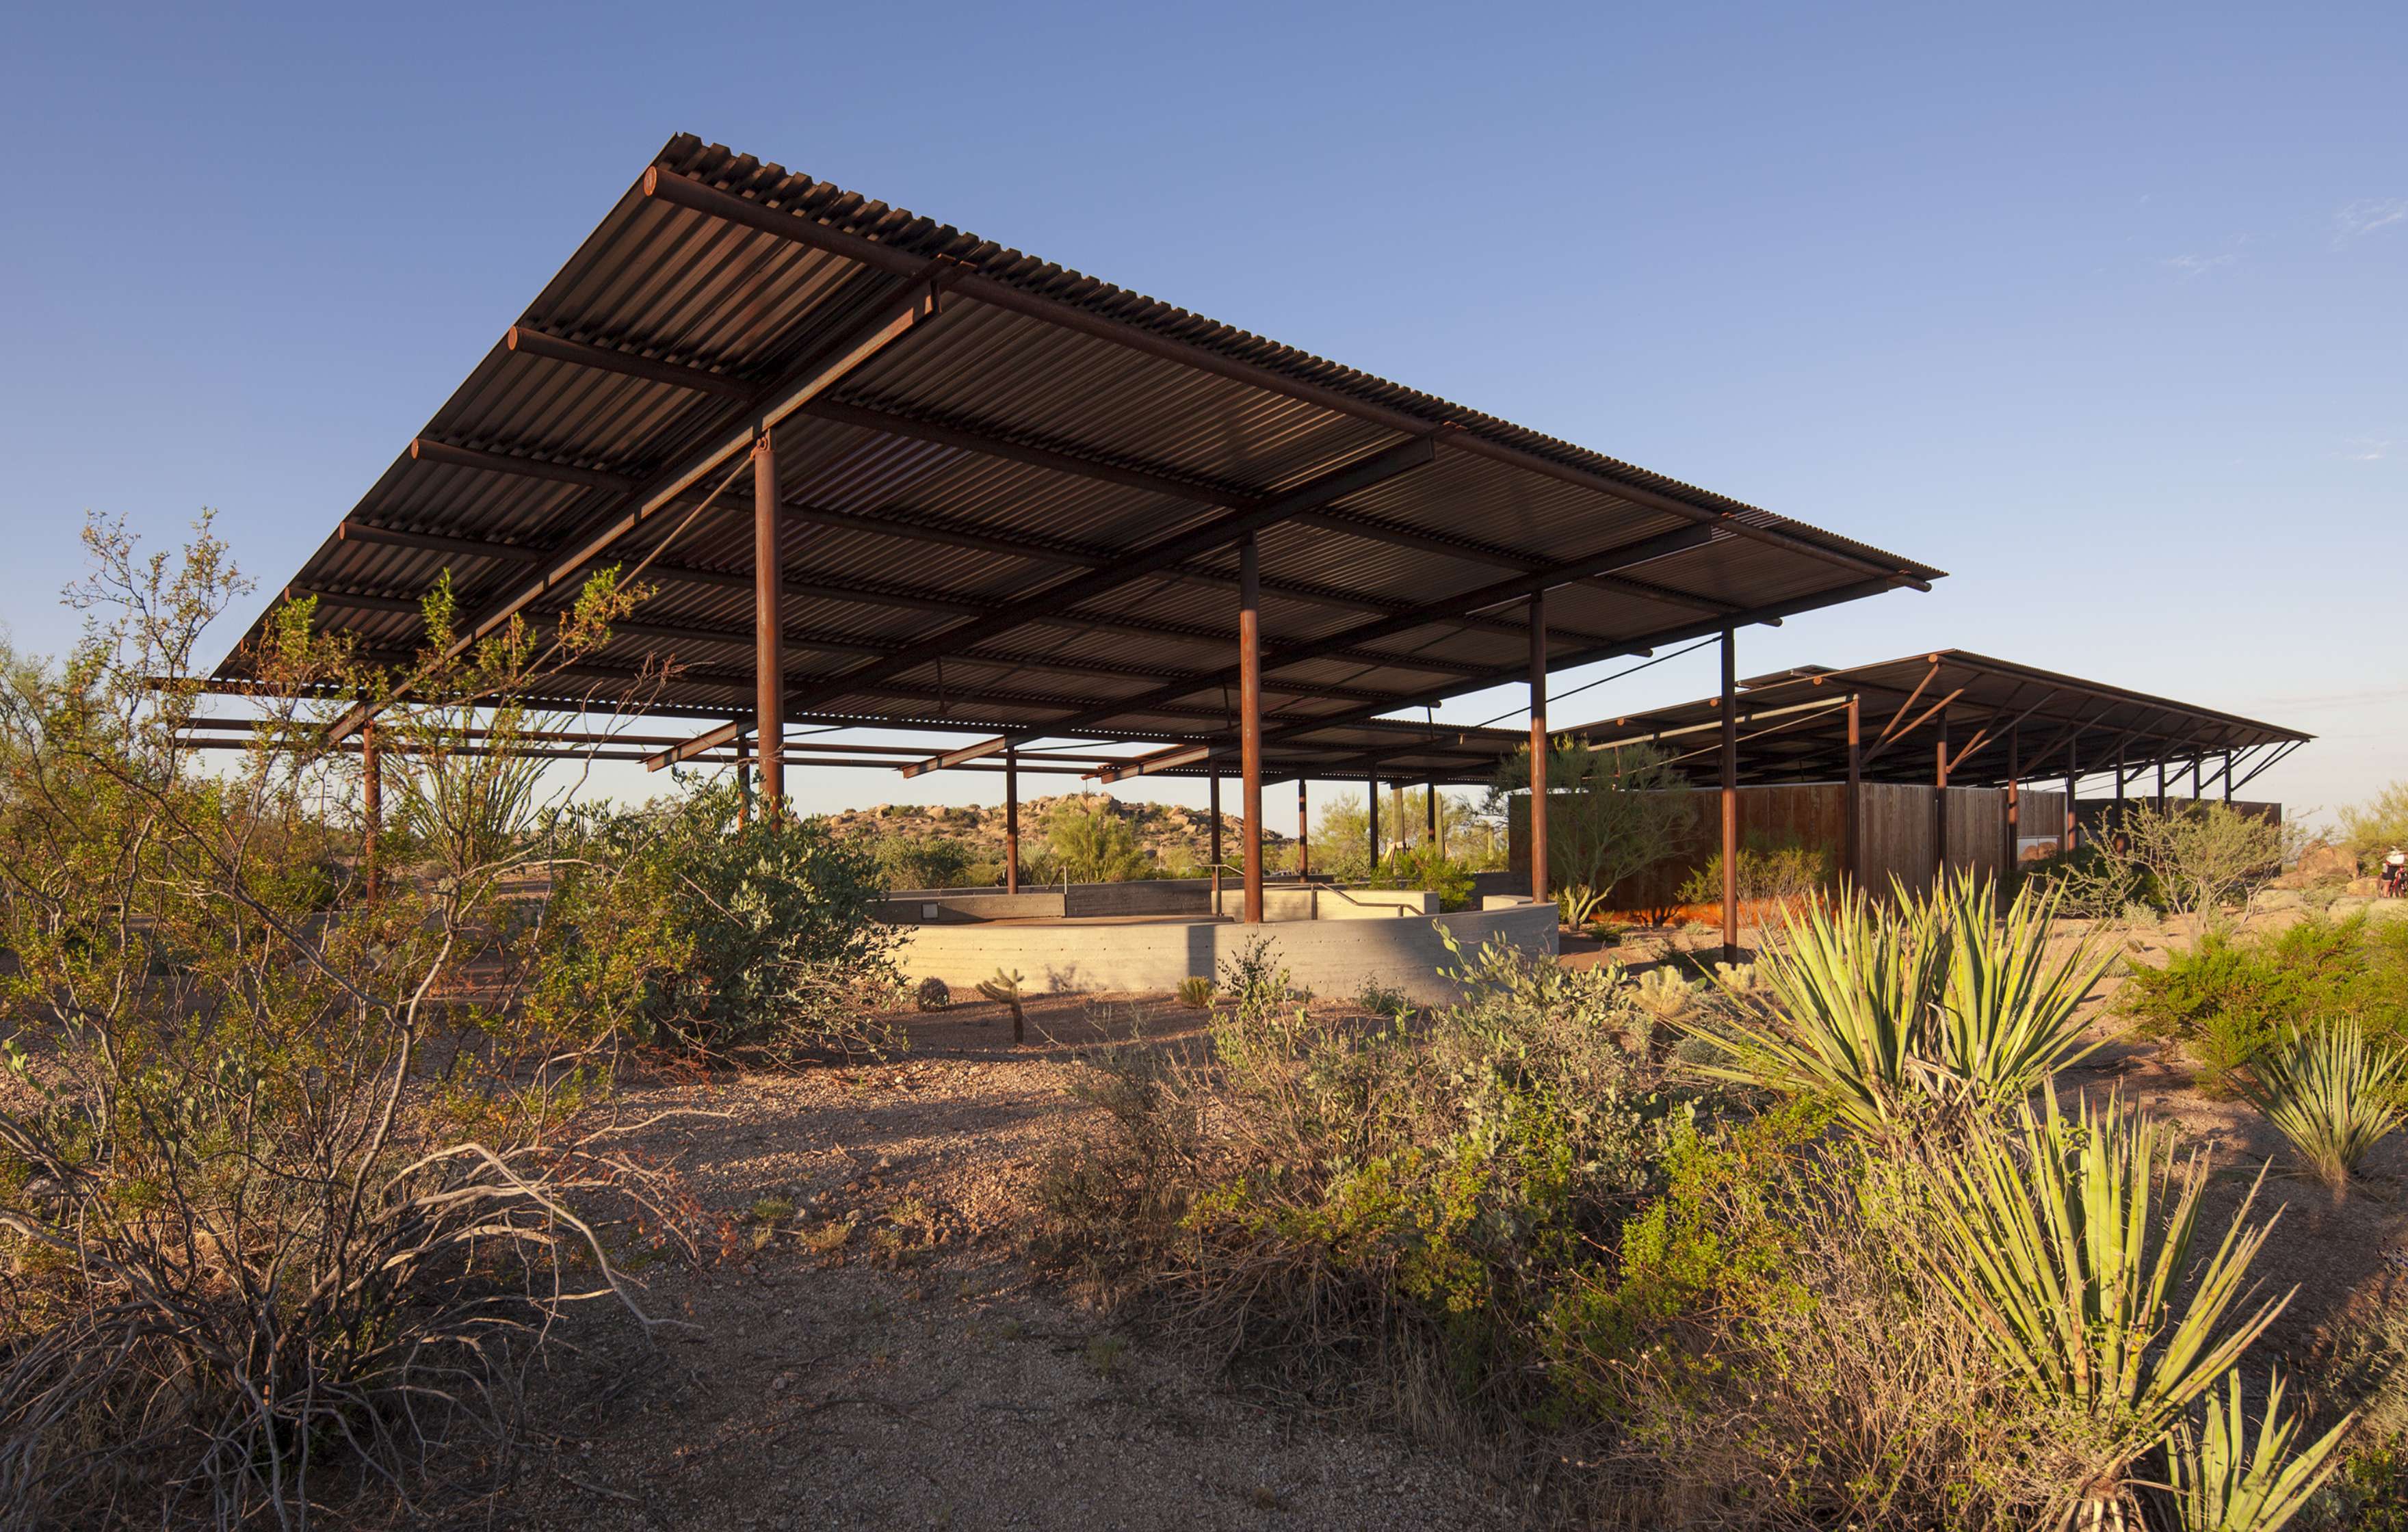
(1004, 989)
(1736, 978)
(1664, 994)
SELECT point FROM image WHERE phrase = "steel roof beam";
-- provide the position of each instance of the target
(1591, 656)
(528, 341)
(807, 589)
(1516, 588)
(1498, 592)
(890, 321)
(1372, 468)
(429, 449)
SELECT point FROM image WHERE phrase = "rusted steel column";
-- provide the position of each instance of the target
(1940, 804)
(1011, 819)
(1303, 833)
(1432, 835)
(768, 629)
(1212, 796)
(2014, 797)
(2227, 776)
(744, 786)
(1538, 748)
(2197, 784)
(1371, 819)
(1731, 796)
(2072, 820)
(1853, 810)
(1249, 719)
(371, 806)
(2161, 787)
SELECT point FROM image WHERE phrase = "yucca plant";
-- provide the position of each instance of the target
(1838, 1007)
(2006, 1017)
(2224, 1479)
(1889, 1010)
(2331, 1096)
(2070, 1245)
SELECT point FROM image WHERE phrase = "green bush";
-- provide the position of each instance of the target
(2374, 828)
(1091, 843)
(1424, 867)
(1355, 1190)
(768, 938)
(921, 862)
(2228, 1000)
(1768, 869)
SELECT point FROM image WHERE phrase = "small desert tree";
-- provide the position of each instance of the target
(1093, 844)
(2374, 827)
(2200, 857)
(1611, 814)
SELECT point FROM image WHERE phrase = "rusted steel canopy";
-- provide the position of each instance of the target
(1794, 725)
(1014, 495)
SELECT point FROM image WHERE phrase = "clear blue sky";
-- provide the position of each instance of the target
(2100, 308)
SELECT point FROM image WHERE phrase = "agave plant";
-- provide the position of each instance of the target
(2224, 1479)
(2333, 1096)
(2070, 1246)
(1884, 1009)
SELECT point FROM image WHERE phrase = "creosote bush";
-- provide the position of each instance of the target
(2229, 1000)
(291, 1180)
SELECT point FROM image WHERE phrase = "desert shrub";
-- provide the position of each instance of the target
(262, 1259)
(1611, 814)
(779, 948)
(1323, 1197)
(2185, 857)
(2228, 999)
(1768, 869)
(1090, 843)
(1424, 867)
(2375, 827)
(1772, 1355)
(2088, 884)
(2200, 856)
(909, 861)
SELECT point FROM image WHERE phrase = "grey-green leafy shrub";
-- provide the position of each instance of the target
(1326, 1193)
(779, 947)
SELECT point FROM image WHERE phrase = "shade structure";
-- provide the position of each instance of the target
(1011, 500)
(1953, 715)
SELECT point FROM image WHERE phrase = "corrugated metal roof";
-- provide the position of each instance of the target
(1995, 719)
(1032, 426)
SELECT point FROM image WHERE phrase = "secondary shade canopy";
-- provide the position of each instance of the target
(2002, 722)
(1012, 497)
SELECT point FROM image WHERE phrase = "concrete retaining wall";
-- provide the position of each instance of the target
(1288, 901)
(1330, 957)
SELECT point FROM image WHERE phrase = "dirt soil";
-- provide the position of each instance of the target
(874, 1346)
(887, 1357)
